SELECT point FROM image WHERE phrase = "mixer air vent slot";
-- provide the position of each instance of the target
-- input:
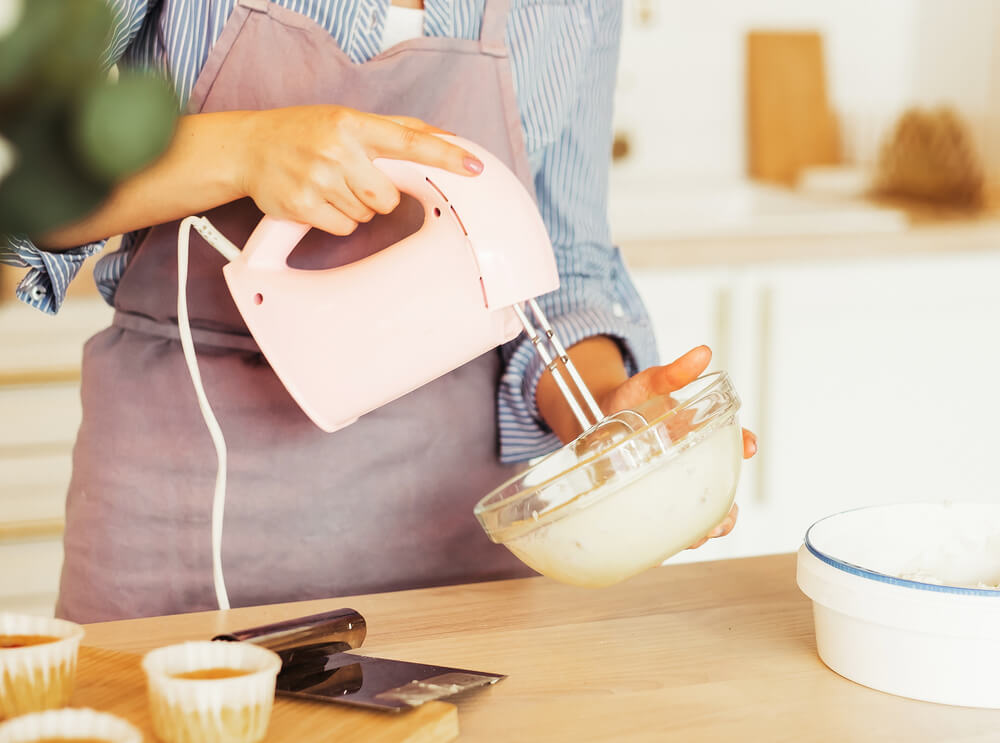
(459, 220)
(434, 186)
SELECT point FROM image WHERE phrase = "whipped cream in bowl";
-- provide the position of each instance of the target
(628, 494)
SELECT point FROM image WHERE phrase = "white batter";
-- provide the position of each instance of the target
(643, 524)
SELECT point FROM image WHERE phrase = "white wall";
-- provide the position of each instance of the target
(681, 82)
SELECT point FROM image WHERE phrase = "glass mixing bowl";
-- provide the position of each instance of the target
(624, 496)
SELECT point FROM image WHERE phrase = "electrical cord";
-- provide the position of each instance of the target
(218, 241)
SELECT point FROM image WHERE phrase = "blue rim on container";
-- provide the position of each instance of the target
(861, 572)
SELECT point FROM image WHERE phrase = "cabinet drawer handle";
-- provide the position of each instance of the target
(32, 529)
(39, 376)
(765, 321)
(723, 345)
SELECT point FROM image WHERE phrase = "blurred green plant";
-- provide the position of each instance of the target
(71, 133)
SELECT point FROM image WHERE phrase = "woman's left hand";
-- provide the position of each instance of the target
(662, 380)
(599, 361)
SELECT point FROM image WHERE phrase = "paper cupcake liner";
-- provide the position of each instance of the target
(233, 710)
(71, 724)
(37, 677)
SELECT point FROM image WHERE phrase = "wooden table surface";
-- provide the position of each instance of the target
(716, 651)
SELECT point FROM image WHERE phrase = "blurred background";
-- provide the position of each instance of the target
(806, 186)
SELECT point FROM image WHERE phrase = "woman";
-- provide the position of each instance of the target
(288, 102)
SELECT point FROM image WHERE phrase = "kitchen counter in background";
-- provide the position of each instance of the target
(715, 651)
(739, 210)
(939, 239)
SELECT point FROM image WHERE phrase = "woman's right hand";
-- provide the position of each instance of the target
(313, 164)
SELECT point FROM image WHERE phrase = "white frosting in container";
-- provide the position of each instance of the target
(941, 544)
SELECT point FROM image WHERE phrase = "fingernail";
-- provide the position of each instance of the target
(753, 448)
(472, 164)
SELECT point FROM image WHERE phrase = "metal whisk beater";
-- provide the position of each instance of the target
(602, 430)
(553, 363)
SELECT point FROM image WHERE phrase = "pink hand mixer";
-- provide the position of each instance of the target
(461, 285)
(413, 311)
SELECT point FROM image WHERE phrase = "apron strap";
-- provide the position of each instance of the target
(493, 32)
(221, 48)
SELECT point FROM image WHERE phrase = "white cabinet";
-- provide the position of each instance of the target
(868, 381)
(39, 417)
(688, 307)
(882, 386)
(29, 576)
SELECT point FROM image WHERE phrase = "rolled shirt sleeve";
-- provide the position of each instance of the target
(596, 295)
(44, 285)
(49, 273)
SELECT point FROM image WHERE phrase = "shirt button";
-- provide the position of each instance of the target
(37, 292)
(374, 18)
(617, 310)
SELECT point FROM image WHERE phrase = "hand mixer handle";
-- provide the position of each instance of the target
(493, 211)
(273, 240)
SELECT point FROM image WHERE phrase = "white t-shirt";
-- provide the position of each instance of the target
(402, 24)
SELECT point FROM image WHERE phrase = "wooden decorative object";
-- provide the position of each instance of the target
(929, 156)
(790, 125)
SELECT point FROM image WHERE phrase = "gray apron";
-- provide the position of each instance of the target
(385, 504)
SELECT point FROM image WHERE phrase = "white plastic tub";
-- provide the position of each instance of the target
(934, 635)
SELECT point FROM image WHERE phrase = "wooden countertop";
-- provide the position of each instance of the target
(716, 651)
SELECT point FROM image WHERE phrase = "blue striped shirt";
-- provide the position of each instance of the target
(564, 56)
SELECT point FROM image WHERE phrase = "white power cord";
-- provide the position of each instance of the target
(218, 241)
